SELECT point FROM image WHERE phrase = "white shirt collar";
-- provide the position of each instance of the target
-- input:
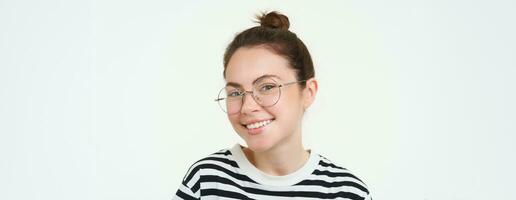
(257, 175)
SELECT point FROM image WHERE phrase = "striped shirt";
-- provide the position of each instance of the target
(228, 174)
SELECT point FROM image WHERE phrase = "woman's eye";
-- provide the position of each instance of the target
(267, 87)
(234, 94)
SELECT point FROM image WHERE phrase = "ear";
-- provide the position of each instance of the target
(309, 92)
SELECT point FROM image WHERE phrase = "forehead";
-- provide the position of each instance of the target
(248, 64)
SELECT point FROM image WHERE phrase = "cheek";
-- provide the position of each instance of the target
(288, 109)
(290, 101)
(234, 119)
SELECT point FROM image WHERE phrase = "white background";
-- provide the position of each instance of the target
(114, 99)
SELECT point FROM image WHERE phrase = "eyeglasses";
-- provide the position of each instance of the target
(266, 92)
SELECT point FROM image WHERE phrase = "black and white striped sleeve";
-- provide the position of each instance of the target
(184, 192)
(187, 189)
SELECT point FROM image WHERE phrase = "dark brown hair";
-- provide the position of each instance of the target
(273, 34)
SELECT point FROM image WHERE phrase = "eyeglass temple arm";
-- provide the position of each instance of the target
(285, 84)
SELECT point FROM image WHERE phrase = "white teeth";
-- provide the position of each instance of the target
(258, 124)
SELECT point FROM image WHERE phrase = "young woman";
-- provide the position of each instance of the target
(269, 84)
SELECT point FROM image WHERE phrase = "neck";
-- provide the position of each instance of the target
(282, 159)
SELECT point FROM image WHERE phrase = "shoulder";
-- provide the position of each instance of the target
(221, 160)
(221, 157)
(336, 177)
(217, 162)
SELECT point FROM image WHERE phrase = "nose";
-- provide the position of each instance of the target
(249, 104)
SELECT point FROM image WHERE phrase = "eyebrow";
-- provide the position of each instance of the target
(262, 76)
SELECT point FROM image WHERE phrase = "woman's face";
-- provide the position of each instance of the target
(278, 123)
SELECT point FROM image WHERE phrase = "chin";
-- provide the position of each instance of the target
(258, 146)
(257, 149)
(260, 143)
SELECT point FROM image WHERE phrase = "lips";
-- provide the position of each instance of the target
(257, 123)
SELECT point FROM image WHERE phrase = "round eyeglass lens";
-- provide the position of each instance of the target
(230, 99)
(266, 92)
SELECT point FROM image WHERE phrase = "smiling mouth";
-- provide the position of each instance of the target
(258, 124)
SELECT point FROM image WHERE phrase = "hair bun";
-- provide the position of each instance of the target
(274, 20)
